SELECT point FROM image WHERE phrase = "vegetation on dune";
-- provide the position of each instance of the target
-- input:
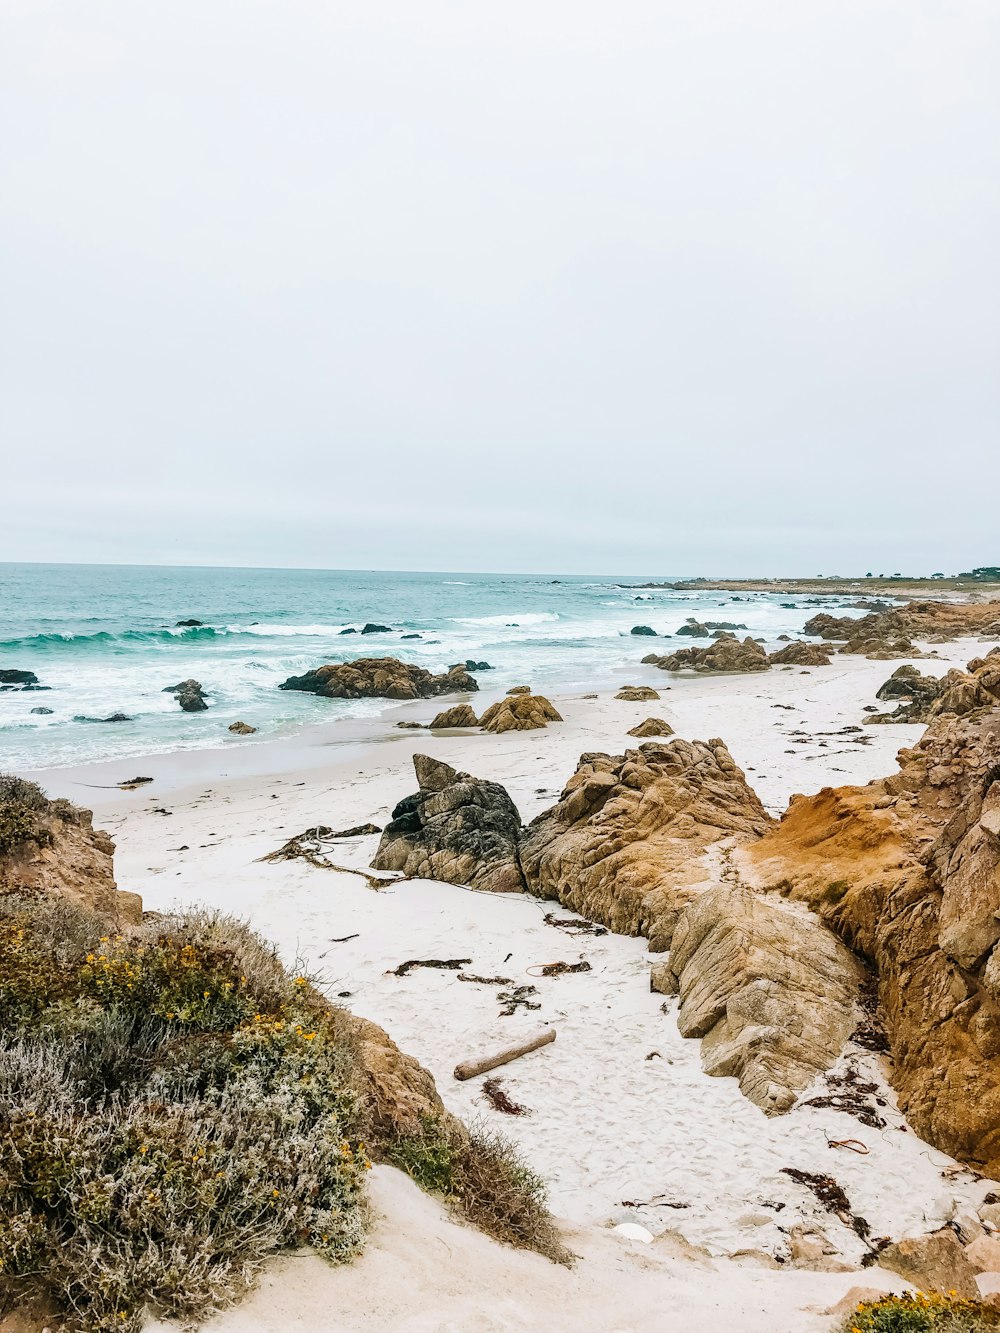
(21, 804)
(920, 1313)
(175, 1107)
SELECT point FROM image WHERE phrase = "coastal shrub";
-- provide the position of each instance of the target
(915, 1312)
(21, 803)
(174, 1107)
(483, 1176)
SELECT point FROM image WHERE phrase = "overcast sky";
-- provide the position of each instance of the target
(555, 285)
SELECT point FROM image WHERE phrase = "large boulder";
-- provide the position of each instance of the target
(15, 677)
(772, 993)
(461, 715)
(726, 654)
(519, 712)
(802, 654)
(934, 1263)
(625, 843)
(637, 693)
(923, 697)
(52, 847)
(652, 726)
(907, 871)
(455, 828)
(380, 678)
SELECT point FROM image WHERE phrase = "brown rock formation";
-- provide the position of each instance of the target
(939, 621)
(770, 990)
(727, 654)
(638, 693)
(241, 728)
(624, 844)
(653, 726)
(456, 828)
(380, 678)
(958, 692)
(461, 715)
(907, 871)
(52, 847)
(933, 1263)
(519, 712)
(802, 654)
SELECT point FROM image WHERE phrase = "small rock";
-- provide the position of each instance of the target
(189, 694)
(44, 712)
(241, 728)
(643, 629)
(984, 1254)
(189, 624)
(372, 628)
(652, 726)
(636, 693)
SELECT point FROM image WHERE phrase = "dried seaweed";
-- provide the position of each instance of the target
(831, 1196)
(557, 969)
(314, 846)
(406, 968)
(493, 1088)
(518, 998)
(575, 924)
(485, 981)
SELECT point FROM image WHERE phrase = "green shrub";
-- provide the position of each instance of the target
(173, 1108)
(483, 1176)
(919, 1313)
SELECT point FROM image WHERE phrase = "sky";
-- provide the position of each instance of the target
(549, 285)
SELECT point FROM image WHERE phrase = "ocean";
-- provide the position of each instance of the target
(105, 639)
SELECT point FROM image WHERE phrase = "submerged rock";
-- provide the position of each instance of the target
(189, 624)
(519, 712)
(372, 628)
(472, 665)
(45, 712)
(13, 676)
(242, 729)
(190, 695)
(380, 678)
(455, 828)
(643, 629)
(111, 717)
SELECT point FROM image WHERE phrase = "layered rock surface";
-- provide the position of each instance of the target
(924, 697)
(455, 828)
(381, 678)
(624, 844)
(907, 871)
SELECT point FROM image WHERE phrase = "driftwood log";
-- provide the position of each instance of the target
(470, 1068)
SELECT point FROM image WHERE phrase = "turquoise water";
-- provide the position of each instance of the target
(105, 639)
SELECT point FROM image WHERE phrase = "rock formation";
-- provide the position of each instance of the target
(461, 715)
(802, 654)
(958, 692)
(936, 621)
(241, 728)
(52, 847)
(455, 828)
(14, 677)
(652, 726)
(519, 712)
(380, 678)
(769, 989)
(643, 629)
(372, 628)
(726, 654)
(624, 844)
(637, 694)
(907, 871)
(694, 629)
(190, 695)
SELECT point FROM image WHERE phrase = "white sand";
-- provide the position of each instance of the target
(609, 1128)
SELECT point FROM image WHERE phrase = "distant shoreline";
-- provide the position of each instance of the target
(834, 587)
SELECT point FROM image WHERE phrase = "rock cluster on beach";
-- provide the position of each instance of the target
(888, 634)
(519, 712)
(725, 654)
(921, 697)
(381, 678)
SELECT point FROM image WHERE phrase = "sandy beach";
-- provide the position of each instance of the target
(619, 1118)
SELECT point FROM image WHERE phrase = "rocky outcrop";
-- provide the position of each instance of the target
(694, 628)
(242, 729)
(372, 628)
(461, 715)
(958, 692)
(519, 712)
(17, 678)
(726, 654)
(652, 726)
(802, 654)
(52, 847)
(644, 630)
(380, 678)
(637, 694)
(455, 828)
(907, 871)
(625, 843)
(472, 665)
(190, 623)
(772, 993)
(189, 694)
(936, 621)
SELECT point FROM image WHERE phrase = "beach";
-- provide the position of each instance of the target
(620, 1120)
